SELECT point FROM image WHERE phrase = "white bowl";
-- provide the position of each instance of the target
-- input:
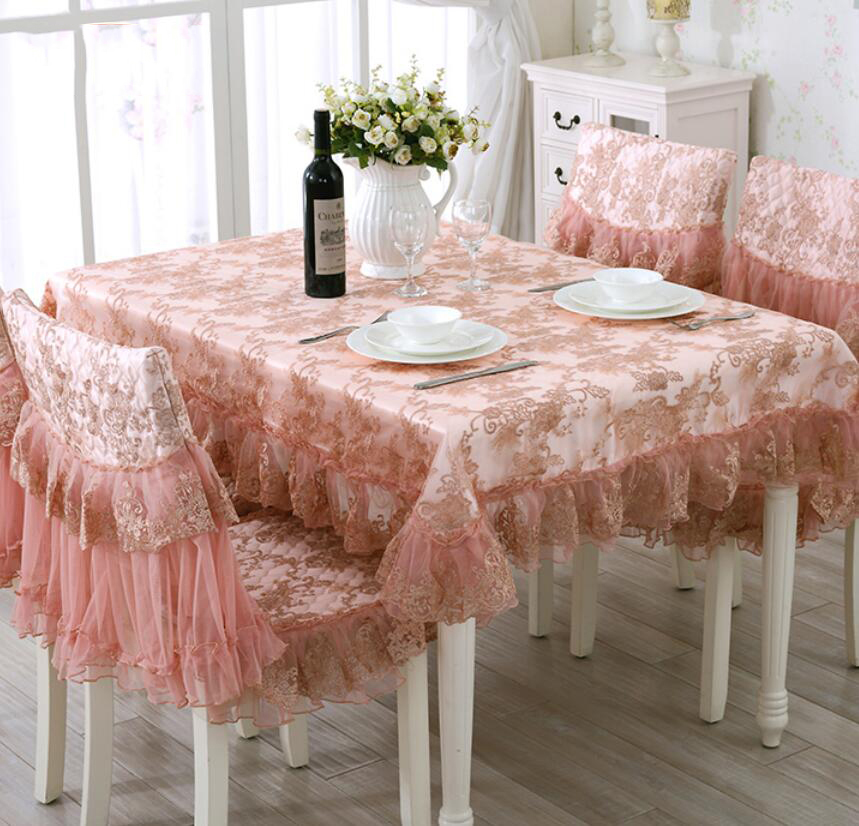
(627, 284)
(427, 324)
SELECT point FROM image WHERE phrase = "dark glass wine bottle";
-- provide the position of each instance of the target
(324, 217)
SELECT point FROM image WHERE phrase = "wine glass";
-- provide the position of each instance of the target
(408, 232)
(471, 223)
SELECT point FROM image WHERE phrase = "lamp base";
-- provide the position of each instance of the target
(668, 44)
(603, 59)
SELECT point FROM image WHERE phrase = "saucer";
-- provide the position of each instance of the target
(357, 342)
(466, 335)
(665, 296)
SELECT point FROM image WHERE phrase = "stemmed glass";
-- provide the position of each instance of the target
(408, 232)
(471, 223)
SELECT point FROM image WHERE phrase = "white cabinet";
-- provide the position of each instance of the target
(708, 107)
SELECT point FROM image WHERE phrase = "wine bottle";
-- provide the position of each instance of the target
(324, 217)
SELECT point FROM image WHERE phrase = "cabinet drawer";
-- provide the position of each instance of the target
(562, 114)
(544, 211)
(555, 165)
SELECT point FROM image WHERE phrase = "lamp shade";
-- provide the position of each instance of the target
(668, 9)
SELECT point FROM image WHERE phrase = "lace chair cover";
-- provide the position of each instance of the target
(796, 246)
(637, 201)
(127, 566)
(325, 606)
(12, 396)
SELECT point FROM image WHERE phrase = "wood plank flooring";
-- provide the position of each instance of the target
(614, 739)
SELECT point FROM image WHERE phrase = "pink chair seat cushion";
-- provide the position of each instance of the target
(324, 604)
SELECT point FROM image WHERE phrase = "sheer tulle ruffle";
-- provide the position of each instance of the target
(746, 277)
(691, 256)
(138, 510)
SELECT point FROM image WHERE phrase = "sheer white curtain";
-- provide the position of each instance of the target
(506, 37)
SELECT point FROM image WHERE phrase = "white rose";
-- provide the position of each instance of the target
(451, 114)
(302, 134)
(434, 121)
(433, 88)
(391, 140)
(450, 149)
(411, 124)
(380, 96)
(399, 96)
(428, 145)
(421, 111)
(387, 122)
(359, 97)
(403, 155)
(470, 131)
(349, 107)
(375, 136)
(361, 119)
(480, 146)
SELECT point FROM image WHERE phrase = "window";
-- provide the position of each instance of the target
(130, 126)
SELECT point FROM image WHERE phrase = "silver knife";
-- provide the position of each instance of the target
(475, 374)
(553, 287)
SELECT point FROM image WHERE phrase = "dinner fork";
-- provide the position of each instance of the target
(697, 324)
(340, 331)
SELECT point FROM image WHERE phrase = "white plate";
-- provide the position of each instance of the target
(466, 335)
(566, 298)
(357, 343)
(665, 296)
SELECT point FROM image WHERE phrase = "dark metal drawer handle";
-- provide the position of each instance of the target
(558, 173)
(574, 121)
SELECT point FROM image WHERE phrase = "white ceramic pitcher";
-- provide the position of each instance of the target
(383, 186)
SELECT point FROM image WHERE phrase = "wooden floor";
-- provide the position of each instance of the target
(609, 740)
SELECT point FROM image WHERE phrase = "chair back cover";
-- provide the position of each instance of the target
(12, 396)
(637, 201)
(796, 246)
(127, 566)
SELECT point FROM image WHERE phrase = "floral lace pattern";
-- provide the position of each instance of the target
(622, 426)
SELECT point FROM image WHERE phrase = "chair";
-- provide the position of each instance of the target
(796, 251)
(129, 572)
(633, 200)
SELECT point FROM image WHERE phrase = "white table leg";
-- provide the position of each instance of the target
(245, 727)
(737, 599)
(50, 728)
(780, 511)
(456, 718)
(540, 598)
(583, 601)
(295, 742)
(211, 771)
(684, 570)
(413, 730)
(851, 586)
(717, 633)
(98, 752)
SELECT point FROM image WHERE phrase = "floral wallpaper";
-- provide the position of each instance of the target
(805, 104)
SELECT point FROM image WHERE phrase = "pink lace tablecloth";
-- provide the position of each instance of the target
(637, 428)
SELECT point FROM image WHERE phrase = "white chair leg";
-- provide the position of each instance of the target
(717, 633)
(50, 728)
(684, 570)
(456, 720)
(737, 599)
(851, 586)
(540, 598)
(98, 752)
(583, 610)
(211, 771)
(295, 743)
(780, 511)
(413, 731)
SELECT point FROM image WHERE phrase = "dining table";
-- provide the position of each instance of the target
(744, 429)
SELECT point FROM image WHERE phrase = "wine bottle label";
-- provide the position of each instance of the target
(330, 229)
